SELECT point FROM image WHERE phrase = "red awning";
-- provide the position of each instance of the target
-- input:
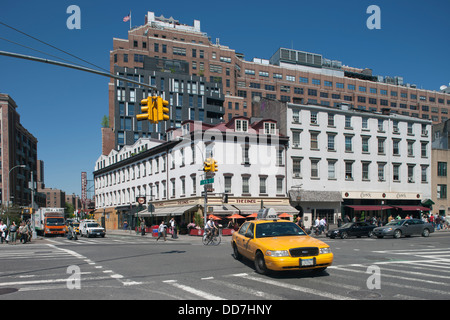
(370, 208)
(412, 208)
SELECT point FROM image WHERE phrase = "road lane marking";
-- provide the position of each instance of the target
(298, 288)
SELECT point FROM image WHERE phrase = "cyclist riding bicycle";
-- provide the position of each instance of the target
(210, 228)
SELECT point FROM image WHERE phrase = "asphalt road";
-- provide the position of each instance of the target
(123, 267)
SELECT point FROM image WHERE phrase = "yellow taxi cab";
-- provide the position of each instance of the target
(278, 245)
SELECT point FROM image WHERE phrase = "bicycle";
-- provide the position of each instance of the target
(211, 238)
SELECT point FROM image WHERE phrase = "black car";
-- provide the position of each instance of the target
(352, 229)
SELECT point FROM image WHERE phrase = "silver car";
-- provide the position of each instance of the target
(404, 227)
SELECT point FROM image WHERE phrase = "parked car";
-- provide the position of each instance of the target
(404, 227)
(352, 229)
(90, 228)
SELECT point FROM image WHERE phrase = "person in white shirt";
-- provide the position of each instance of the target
(323, 224)
(162, 231)
(210, 226)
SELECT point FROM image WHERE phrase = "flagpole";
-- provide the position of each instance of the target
(130, 19)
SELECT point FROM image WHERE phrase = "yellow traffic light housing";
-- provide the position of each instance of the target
(207, 165)
(148, 109)
(163, 110)
(214, 166)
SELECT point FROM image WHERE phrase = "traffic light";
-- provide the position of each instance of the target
(148, 109)
(210, 165)
(163, 110)
(214, 166)
(207, 165)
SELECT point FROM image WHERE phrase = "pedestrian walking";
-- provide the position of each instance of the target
(23, 231)
(162, 231)
(3, 229)
(142, 227)
(13, 233)
(173, 227)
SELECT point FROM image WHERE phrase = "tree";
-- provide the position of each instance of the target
(105, 121)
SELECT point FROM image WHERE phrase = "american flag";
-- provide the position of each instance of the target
(127, 18)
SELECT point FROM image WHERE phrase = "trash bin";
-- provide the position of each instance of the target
(155, 231)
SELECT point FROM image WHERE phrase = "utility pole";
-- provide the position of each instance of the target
(33, 214)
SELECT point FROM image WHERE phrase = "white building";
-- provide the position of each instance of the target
(167, 175)
(343, 161)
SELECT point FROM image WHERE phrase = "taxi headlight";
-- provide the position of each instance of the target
(325, 250)
(277, 253)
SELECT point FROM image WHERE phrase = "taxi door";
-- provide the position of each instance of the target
(248, 242)
(241, 240)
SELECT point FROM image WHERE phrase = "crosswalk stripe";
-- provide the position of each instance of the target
(199, 293)
(297, 288)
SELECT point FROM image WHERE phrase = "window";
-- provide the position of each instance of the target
(245, 184)
(331, 145)
(313, 117)
(315, 168)
(269, 128)
(423, 173)
(296, 167)
(395, 147)
(442, 191)
(262, 185)
(348, 170)
(348, 144)
(314, 140)
(365, 144)
(280, 156)
(348, 121)
(227, 184)
(194, 184)
(365, 170)
(410, 148)
(442, 169)
(396, 172)
(279, 185)
(331, 120)
(381, 171)
(381, 145)
(241, 125)
(331, 169)
(245, 155)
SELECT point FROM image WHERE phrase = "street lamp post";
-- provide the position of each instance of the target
(9, 182)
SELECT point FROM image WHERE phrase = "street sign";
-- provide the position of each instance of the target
(206, 181)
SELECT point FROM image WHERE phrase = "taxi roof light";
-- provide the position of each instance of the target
(267, 214)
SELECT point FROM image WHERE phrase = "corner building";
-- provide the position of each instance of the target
(251, 159)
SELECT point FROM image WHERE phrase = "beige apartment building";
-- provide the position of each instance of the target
(440, 155)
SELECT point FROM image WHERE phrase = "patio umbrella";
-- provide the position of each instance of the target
(284, 215)
(214, 217)
(235, 216)
(253, 215)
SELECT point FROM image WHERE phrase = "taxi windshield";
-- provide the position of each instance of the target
(278, 229)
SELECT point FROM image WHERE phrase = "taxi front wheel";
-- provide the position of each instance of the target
(260, 264)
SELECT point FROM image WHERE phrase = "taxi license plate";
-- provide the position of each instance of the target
(307, 262)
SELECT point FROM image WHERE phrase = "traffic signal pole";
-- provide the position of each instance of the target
(71, 66)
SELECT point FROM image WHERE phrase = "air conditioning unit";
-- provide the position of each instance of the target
(297, 175)
(410, 180)
(296, 145)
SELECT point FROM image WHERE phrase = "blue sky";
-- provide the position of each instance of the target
(63, 108)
